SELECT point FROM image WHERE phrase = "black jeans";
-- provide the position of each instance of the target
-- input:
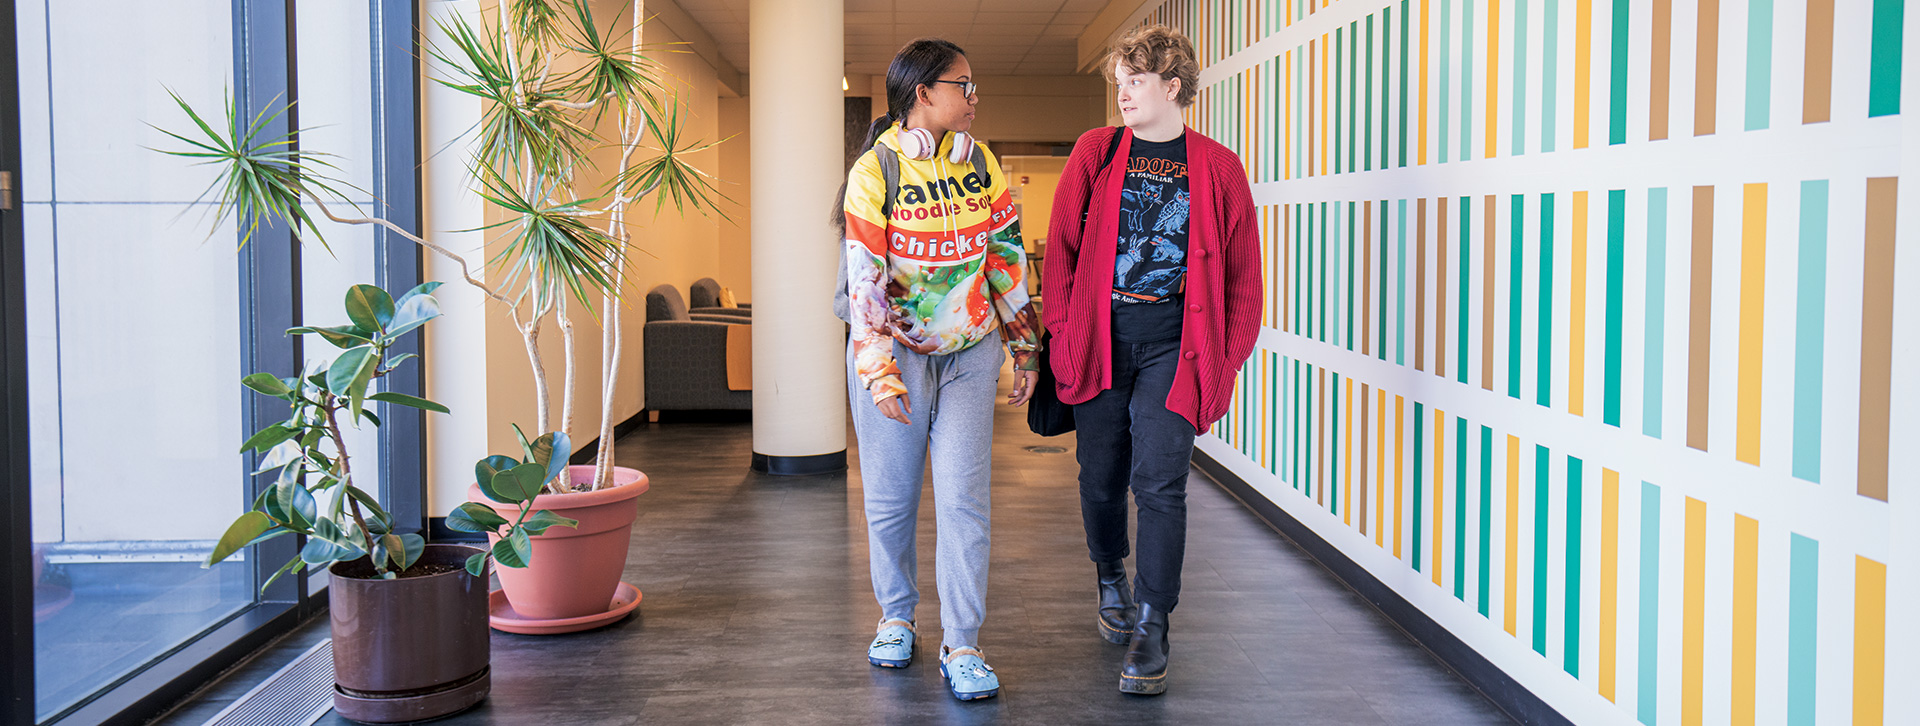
(1129, 440)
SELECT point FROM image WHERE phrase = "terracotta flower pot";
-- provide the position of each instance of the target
(574, 570)
(413, 648)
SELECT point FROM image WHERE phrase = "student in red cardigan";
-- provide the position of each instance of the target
(1153, 291)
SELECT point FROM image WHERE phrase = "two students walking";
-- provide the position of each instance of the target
(1153, 290)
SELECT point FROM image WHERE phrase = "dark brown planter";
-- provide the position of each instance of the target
(413, 648)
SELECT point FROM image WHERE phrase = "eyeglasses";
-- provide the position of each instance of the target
(967, 88)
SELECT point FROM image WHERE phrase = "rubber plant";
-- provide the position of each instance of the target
(555, 247)
(314, 494)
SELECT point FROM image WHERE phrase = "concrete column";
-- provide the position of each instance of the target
(799, 348)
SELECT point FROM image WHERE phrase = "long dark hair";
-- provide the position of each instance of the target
(919, 63)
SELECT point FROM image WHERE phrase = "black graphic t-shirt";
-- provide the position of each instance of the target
(1150, 269)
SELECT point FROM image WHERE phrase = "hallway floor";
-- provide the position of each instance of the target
(757, 609)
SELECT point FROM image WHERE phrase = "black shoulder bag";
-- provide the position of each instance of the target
(1046, 415)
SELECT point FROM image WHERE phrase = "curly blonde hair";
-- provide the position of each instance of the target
(1161, 50)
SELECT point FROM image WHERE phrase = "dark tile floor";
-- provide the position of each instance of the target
(757, 609)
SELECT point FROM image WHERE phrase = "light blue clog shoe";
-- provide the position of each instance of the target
(893, 646)
(968, 675)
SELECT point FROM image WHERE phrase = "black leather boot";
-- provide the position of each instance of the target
(1117, 613)
(1145, 669)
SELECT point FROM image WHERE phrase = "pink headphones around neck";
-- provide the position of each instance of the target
(919, 144)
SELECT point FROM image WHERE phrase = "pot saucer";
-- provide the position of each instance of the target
(501, 616)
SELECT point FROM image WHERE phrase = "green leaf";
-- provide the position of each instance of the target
(346, 368)
(321, 552)
(281, 455)
(267, 438)
(551, 451)
(526, 447)
(543, 519)
(341, 336)
(484, 471)
(368, 415)
(294, 565)
(513, 550)
(425, 288)
(477, 565)
(395, 361)
(369, 307)
(474, 517)
(266, 383)
(521, 483)
(395, 550)
(413, 313)
(293, 499)
(242, 532)
(413, 545)
(406, 400)
(367, 500)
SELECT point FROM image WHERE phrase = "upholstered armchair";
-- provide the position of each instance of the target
(705, 296)
(692, 363)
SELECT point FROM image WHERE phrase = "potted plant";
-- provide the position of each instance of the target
(555, 248)
(409, 619)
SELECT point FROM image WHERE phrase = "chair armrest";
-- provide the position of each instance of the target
(729, 312)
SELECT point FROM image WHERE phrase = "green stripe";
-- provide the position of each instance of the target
(1466, 82)
(1574, 472)
(1460, 509)
(1516, 292)
(1404, 55)
(1616, 293)
(1617, 118)
(1544, 383)
(1273, 404)
(1649, 696)
(1803, 630)
(1466, 279)
(1400, 295)
(1380, 345)
(1654, 387)
(1810, 330)
(1759, 63)
(1419, 458)
(1883, 96)
(1541, 494)
(1324, 297)
(1445, 95)
(1549, 72)
(1368, 156)
(1339, 73)
(1353, 87)
(1486, 514)
(1519, 127)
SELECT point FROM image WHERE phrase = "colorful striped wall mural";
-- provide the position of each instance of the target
(1582, 325)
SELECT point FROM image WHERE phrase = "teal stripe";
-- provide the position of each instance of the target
(1656, 311)
(1380, 345)
(1353, 238)
(1293, 427)
(1419, 459)
(1617, 118)
(1466, 81)
(1616, 293)
(1649, 691)
(1368, 156)
(1544, 383)
(1322, 305)
(1353, 88)
(1519, 130)
(1574, 472)
(1339, 89)
(1759, 63)
(1334, 262)
(1400, 295)
(1883, 95)
(1549, 72)
(1466, 279)
(1460, 509)
(1810, 330)
(1541, 495)
(1445, 95)
(1404, 55)
(1274, 399)
(1803, 630)
(1486, 515)
(1516, 292)
(1314, 219)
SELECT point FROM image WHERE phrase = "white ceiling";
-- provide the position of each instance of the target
(1001, 37)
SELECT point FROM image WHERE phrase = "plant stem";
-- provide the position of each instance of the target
(346, 477)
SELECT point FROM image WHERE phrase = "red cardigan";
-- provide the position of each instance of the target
(1224, 283)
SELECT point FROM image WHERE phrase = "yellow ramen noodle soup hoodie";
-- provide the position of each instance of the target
(940, 274)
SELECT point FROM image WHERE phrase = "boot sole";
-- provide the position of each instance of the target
(1107, 633)
(1144, 686)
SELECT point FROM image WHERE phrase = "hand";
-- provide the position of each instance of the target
(1023, 383)
(896, 408)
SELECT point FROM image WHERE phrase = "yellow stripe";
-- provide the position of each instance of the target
(1753, 294)
(1423, 80)
(1399, 457)
(1869, 642)
(1746, 617)
(1493, 75)
(1380, 468)
(1513, 532)
(1286, 115)
(1609, 578)
(1582, 70)
(1693, 615)
(1439, 484)
(1577, 312)
(1347, 511)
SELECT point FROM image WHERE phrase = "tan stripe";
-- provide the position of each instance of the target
(1420, 286)
(1817, 101)
(1660, 82)
(1876, 339)
(1486, 297)
(1366, 286)
(1706, 69)
(1365, 396)
(1440, 294)
(1700, 325)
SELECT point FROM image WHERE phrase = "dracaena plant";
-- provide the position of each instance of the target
(556, 247)
(313, 493)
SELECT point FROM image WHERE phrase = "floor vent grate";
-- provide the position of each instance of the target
(296, 695)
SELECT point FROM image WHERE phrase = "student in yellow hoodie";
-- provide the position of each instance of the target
(935, 286)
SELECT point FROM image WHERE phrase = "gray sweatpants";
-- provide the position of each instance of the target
(952, 398)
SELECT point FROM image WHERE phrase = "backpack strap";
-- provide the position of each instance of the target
(1113, 145)
(890, 171)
